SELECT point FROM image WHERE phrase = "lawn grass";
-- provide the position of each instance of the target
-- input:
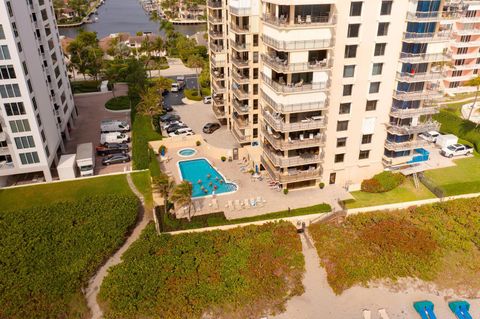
(463, 178)
(85, 86)
(240, 273)
(404, 193)
(142, 133)
(118, 103)
(37, 195)
(143, 183)
(438, 243)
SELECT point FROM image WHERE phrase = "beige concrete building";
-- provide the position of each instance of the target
(332, 91)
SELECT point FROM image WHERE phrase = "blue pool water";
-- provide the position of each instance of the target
(204, 178)
(187, 152)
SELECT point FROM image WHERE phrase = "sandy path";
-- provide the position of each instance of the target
(95, 282)
(319, 301)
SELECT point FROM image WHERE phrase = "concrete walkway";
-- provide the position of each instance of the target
(176, 68)
(95, 282)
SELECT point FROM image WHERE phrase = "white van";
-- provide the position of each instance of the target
(175, 87)
(115, 137)
(207, 99)
(114, 126)
(186, 131)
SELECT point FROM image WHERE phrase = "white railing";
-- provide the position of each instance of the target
(297, 107)
(295, 87)
(284, 66)
(298, 45)
(312, 123)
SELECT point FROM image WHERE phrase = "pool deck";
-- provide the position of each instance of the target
(249, 188)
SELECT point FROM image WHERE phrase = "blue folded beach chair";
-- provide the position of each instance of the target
(425, 309)
(460, 309)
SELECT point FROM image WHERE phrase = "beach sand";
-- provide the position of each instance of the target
(319, 300)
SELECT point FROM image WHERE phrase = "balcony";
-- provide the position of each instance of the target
(278, 124)
(293, 108)
(417, 95)
(291, 144)
(4, 150)
(3, 137)
(279, 160)
(392, 161)
(240, 78)
(417, 37)
(240, 108)
(431, 16)
(218, 88)
(409, 129)
(405, 146)
(240, 94)
(218, 76)
(408, 113)
(469, 55)
(241, 123)
(295, 87)
(293, 175)
(424, 57)
(239, 29)
(219, 113)
(215, 4)
(239, 11)
(239, 46)
(297, 45)
(217, 62)
(6, 165)
(215, 34)
(216, 48)
(283, 66)
(467, 44)
(420, 77)
(240, 63)
(215, 20)
(240, 136)
(472, 31)
(306, 21)
(217, 101)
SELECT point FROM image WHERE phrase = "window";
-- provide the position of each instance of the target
(371, 105)
(356, 9)
(44, 138)
(339, 158)
(350, 51)
(347, 89)
(342, 126)
(341, 142)
(9, 90)
(29, 158)
(9, 9)
(19, 126)
(367, 138)
(374, 87)
(24, 142)
(47, 151)
(25, 69)
(255, 40)
(353, 30)
(344, 108)
(7, 72)
(2, 33)
(13, 109)
(386, 8)
(4, 53)
(348, 71)
(363, 155)
(377, 68)
(457, 73)
(380, 49)
(382, 29)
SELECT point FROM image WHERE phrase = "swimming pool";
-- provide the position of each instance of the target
(187, 152)
(204, 178)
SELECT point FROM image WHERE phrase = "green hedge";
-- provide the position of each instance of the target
(48, 253)
(192, 94)
(85, 86)
(118, 103)
(464, 129)
(383, 182)
(240, 273)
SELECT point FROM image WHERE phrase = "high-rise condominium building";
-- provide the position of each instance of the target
(333, 91)
(36, 103)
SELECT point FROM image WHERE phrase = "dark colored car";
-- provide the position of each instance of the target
(209, 128)
(169, 117)
(167, 108)
(175, 127)
(115, 159)
(112, 148)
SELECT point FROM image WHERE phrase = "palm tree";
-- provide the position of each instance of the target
(196, 62)
(182, 195)
(158, 46)
(113, 71)
(164, 185)
(163, 84)
(150, 103)
(147, 48)
(474, 82)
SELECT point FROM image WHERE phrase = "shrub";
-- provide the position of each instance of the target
(118, 103)
(383, 182)
(285, 191)
(85, 86)
(223, 158)
(198, 143)
(321, 185)
(50, 252)
(163, 149)
(192, 94)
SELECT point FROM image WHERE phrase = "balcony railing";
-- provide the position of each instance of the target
(241, 123)
(297, 107)
(291, 144)
(240, 94)
(239, 28)
(217, 63)
(215, 4)
(240, 46)
(410, 129)
(218, 76)
(239, 63)
(427, 36)
(300, 22)
(431, 16)
(215, 34)
(241, 137)
(3, 136)
(218, 88)
(294, 175)
(407, 113)
(295, 87)
(283, 66)
(218, 102)
(471, 31)
(304, 159)
(312, 123)
(215, 20)
(466, 44)
(240, 108)
(219, 113)
(420, 77)
(239, 11)
(216, 48)
(424, 57)
(417, 95)
(404, 146)
(298, 45)
(240, 79)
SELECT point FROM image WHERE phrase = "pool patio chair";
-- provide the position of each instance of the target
(237, 205)
(229, 205)
(383, 313)
(259, 201)
(253, 202)
(425, 309)
(246, 203)
(460, 308)
(367, 314)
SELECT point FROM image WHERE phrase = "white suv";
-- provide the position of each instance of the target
(175, 87)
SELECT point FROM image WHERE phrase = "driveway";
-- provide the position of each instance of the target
(91, 111)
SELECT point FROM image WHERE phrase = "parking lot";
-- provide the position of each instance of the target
(87, 127)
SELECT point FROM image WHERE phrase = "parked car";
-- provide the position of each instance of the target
(170, 123)
(116, 159)
(107, 126)
(175, 87)
(181, 82)
(456, 150)
(175, 127)
(112, 148)
(430, 136)
(207, 99)
(167, 108)
(209, 128)
(114, 138)
(182, 132)
(169, 117)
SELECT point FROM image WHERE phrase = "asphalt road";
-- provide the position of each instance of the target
(176, 98)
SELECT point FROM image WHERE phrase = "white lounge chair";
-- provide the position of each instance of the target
(310, 136)
(246, 203)
(253, 202)
(367, 314)
(229, 205)
(301, 137)
(259, 201)
(237, 205)
(383, 314)
(308, 19)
